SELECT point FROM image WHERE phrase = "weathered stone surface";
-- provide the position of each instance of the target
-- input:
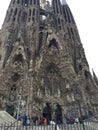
(42, 60)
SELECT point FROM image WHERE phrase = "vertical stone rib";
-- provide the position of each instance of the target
(58, 11)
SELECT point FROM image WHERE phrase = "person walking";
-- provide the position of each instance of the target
(24, 117)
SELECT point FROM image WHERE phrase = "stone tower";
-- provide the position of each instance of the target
(42, 59)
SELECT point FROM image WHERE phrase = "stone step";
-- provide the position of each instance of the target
(5, 117)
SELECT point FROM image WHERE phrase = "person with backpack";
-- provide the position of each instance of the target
(24, 118)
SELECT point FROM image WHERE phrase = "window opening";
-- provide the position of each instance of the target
(15, 13)
(10, 15)
(40, 40)
(87, 74)
(68, 15)
(24, 16)
(52, 69)
(13, 88)
(57, 6)
(13, 1)
(69, 32)
(22, 2)
(30, 12)
(18, 1)
(53, 43)
(33, 19)
(72, 34)
(0, 57)
(15, 77)
(18, 58)
(65, 14)
(30, 2)
(60, 10)
(33, 12)
(10, 110)
(38, 2)
(34, 2)
(26, 3)
(80, 67)
(19, 15)
(58, 21)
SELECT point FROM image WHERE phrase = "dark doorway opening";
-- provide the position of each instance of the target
(10, 110)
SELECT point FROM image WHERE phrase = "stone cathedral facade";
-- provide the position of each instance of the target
(42, 59)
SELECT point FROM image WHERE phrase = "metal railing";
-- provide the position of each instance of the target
(90, 124)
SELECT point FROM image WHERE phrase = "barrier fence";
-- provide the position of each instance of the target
(86, 125)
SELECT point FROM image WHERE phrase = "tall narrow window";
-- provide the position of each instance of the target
(69, 32)
(19, 15)
(22, 2)
(26, 3)
(40, 40)
(72, 34)
(34, 2)
(69, 20)
(10, 15)
(24, 17)
(77, 35)
(29, 15)
(38, 2)
(18, 1)
(30, 2)
(15, 13)
(33, 12)
(65, 14)
(58, 20)
(29, 12)
(57, 7)
(72, 19)
(87, 74)
(60, 10)
(0, 57)
(13, 1)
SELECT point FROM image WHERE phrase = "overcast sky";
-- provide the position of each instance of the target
(85, 13)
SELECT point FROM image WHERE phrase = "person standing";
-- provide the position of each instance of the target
(24, 117)
(58, 114)
(47, 113)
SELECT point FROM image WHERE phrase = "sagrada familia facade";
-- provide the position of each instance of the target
(42, 59)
